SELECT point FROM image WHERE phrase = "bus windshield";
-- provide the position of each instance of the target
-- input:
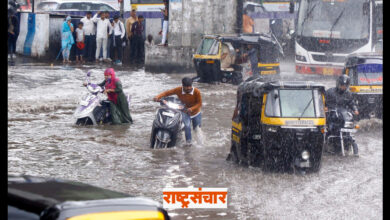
(317, 18)
(208, 46)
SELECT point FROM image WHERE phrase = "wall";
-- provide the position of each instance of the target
(190, 19)
(33, 39)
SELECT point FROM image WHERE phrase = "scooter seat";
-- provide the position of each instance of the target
(229, 69)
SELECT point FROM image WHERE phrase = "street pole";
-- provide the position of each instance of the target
(33, 1)
(239, 13)
(121, 8)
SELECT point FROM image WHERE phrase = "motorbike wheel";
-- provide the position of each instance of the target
(224, 80)
(160, 144)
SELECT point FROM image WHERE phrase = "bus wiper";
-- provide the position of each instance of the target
(335, 22)
(307, 16)
(304, 110)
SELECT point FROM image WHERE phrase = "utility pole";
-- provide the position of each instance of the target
(33, 6)
(121, 8)
(239, 13)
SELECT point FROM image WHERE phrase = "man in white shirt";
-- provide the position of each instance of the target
(103, 28)
(119, 34)
(90, 38)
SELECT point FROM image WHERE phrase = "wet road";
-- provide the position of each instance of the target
(43, 141)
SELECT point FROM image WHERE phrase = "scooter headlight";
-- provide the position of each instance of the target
(348, 124)
(305, 155)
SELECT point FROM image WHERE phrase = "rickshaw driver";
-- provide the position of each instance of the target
(341, 96)
(252, 55)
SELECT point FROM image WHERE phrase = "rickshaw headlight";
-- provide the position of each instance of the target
(305, 155)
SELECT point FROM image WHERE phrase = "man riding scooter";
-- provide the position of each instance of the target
(340, 96)
(192, 100)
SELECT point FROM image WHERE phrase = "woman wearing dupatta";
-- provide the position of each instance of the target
(66, 39)
(119, 107)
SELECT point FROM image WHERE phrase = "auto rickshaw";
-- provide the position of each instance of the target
(219, 57)
(366, 73)
(54, 199)
(279, 125)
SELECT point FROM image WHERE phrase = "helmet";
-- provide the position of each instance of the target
(343, 80)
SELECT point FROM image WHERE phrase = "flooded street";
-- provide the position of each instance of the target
(43, 141)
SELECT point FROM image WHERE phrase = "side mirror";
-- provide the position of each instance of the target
(292, 7)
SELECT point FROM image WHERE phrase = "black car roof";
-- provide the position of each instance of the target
(258, 84)
(362, 58)
(35, 194)
(243, 38)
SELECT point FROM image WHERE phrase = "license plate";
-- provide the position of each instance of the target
(169, 114)
(371, 100)
(348, 130)
(327, 71)
(268, 72)
(304, 164)
(84, 103)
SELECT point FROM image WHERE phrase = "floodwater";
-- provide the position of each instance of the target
(43, 141)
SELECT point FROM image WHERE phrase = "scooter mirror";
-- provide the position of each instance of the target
(89, 73)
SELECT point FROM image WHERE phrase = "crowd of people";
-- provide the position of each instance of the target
(100, 38)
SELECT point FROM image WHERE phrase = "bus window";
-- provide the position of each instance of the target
(146, 1)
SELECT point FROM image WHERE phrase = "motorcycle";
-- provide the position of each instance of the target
(341, 127)
(168, 123)
(94, 107)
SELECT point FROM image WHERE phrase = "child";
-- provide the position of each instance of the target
(80, 42)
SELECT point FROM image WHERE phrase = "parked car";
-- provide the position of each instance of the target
(68, 5)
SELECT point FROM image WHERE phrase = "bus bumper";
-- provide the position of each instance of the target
(318, 69)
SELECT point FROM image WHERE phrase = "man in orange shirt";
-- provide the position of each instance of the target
(192, 100)
(247, 23)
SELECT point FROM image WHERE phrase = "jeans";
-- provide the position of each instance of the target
(137, 47)
(89, 41)
(117, 46)
(101, 42)
(196, 121)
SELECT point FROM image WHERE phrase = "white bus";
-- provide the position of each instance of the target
(327, 31)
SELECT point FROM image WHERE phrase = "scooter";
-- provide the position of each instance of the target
(340, 130)
(168, 124)
(94, 107)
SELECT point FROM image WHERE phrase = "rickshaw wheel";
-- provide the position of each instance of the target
(224, 79)
(233, 154)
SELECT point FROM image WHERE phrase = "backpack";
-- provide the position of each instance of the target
(124, 41)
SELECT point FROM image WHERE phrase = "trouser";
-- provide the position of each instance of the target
(88, 49)
(196, 121)
(11, 43)
(164, 32)
(117, 47)
(137, 48)
(101, 43)
(255, 70)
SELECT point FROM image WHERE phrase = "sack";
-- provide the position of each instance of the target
(80, 45)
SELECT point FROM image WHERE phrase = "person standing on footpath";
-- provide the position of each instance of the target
(165, 24)
(80, 38)
(66, 39)
(103, 28)
(90, 38)
(138, 42)
(129, 23)
(119, 34)
(13, 33)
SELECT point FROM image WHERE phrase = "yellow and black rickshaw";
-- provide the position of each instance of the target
(366, 73)
(42, 198)
(219, 57)
(279, 125)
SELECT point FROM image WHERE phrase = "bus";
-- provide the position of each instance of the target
(327, 31)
